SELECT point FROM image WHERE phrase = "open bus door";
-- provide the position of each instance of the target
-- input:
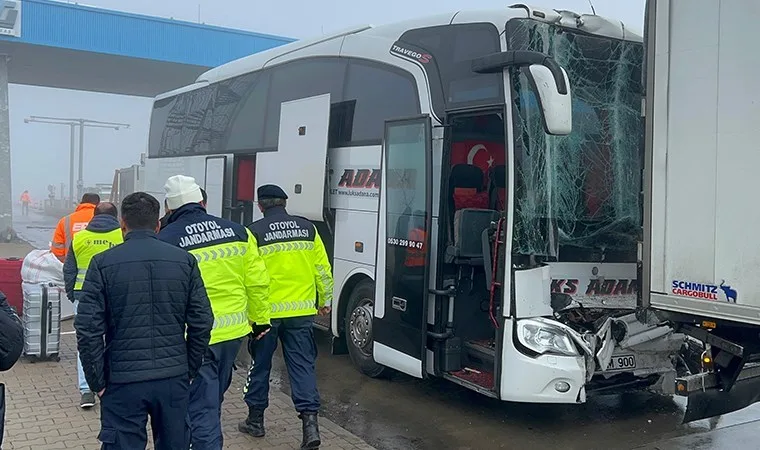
(299, 164)
(403, 260)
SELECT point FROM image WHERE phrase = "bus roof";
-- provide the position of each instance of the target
(589, 23)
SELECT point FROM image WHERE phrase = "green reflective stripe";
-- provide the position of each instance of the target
(228, 320)
(79, 281)
(327, 283)
(293, 306)
(285, 247)
(227, 251)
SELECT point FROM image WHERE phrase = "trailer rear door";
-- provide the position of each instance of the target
(702, 223)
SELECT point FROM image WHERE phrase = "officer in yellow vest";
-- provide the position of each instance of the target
(302, 286)
(237, 283)
(102, 233)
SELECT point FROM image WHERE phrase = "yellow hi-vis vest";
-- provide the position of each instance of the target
(237, 285)
(297, 263)
(234, 275)
(86, 244)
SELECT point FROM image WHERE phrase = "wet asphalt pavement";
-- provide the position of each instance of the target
(406, 413)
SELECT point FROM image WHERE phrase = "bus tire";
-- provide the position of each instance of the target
(358, 321)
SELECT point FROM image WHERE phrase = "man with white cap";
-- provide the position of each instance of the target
(237, 284)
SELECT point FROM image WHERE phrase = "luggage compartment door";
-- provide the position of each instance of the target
(299, 164)
(403, 259)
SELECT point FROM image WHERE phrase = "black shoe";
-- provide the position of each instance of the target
(88, 400)
(253, 424)
(311, 438)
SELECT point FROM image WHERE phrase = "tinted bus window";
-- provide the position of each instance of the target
(379, 93)
(453, 84)
(301, 79)
(181, 125)
(242, 114)
(244, 126)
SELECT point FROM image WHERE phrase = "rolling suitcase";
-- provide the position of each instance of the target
(10, 282)
(42, 321)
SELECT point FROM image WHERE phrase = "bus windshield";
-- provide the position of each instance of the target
(577, 197)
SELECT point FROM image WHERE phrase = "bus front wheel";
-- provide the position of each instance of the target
(359, 314)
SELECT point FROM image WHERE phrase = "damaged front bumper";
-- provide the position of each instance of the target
(628, 354)
(625, 354)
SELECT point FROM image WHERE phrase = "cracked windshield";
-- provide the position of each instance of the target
(585, 185)
(390, 225)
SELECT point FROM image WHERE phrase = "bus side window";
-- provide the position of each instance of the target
(301, 79)
(379, 92)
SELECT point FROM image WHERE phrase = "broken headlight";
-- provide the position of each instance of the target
(542, 337)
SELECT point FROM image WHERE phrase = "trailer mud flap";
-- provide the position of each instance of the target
(715, 402)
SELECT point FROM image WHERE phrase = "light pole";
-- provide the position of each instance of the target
(73, 123)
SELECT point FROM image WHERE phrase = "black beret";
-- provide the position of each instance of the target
(271, 191)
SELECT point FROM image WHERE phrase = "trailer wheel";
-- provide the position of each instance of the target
(359, 313)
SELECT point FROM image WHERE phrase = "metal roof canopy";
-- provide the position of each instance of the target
(72, 46)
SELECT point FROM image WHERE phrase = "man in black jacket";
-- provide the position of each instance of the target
(143, 296)
(11, 345)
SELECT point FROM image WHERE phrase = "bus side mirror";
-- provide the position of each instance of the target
(549, 82)
(554, 100)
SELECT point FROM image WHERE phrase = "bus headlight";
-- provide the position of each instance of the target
(542, 337)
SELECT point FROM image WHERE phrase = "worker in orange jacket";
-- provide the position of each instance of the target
(73, 223)
(415, 252)
(26, 199)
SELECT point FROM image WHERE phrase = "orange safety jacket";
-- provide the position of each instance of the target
(68, 226)
(415, 257)
(25, 198)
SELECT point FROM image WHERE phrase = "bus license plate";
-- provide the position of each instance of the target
(622, 362)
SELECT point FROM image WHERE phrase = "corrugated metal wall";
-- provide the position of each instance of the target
(103, 31)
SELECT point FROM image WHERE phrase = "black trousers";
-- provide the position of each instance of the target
(207, 395)
(300, 353)
(124, 410)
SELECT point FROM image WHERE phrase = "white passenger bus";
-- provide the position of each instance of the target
(472, 238)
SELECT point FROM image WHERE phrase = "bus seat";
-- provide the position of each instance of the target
(465, 191)
(469, 225)
(466, 181)
(499, 187)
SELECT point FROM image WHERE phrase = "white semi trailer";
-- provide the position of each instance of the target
(701, 248)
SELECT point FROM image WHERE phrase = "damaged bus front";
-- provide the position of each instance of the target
(525, 235)
(577, 221)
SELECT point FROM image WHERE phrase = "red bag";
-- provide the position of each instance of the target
(10, 282)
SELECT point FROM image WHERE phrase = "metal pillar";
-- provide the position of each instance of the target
(6, 202)
(80, 182)
(72, 156)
